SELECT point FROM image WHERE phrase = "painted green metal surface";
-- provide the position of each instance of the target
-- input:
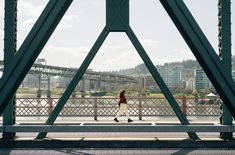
(117, 15)
(157, 77)
(9, 118)
(77, 77)
(118, 128)
(202, 50)
(9, 32)
(113, 16)
(10, 40)
(225, 53)
(117, 21)
(31, 48)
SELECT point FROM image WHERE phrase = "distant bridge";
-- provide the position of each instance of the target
(101, 80)
(50, 70)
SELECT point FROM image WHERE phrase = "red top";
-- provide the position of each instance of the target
(122, 100)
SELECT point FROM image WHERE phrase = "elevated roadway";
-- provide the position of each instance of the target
(50, 70)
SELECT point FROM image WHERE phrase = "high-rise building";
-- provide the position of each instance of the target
(190, 84)
(201, 80)
(172, 75)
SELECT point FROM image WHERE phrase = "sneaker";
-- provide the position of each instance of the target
(116, 120)
(129, 120)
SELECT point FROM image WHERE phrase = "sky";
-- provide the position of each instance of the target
(85, 19)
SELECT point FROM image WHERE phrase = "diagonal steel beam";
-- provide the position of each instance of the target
(202, 50)
(28, 40)
(77, 77)
(31, 48)
(157, 77)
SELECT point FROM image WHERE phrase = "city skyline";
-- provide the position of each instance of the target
(157, 33)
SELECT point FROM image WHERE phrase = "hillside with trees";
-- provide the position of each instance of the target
(141, 70)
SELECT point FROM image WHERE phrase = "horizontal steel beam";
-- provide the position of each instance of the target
(117, 128)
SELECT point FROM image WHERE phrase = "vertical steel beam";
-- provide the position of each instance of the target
(202, 50)
(157, 77)
(31, 48)
(10, 35)
(224, 17)
(77, 77)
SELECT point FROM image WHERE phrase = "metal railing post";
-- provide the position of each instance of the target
(50, 103)
(184, 105)
(140, 108)
(95, 109)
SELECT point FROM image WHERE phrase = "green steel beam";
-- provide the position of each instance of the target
(113, 17)
(9, 118)
(28, 40)
(77, 77)
(117, 21)
(117, 15)
(224, 16)
(10, 39)
(202, 50)
(31, 48)
(118, 128)
(10, 32)
(157, 77)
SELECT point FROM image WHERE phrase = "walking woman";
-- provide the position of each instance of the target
(123, 107)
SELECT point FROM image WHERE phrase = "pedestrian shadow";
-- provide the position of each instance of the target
(183, 151)
(73, 151)
(5, 151)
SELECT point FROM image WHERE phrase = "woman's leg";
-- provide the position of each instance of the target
(125, 107)
(120, 111)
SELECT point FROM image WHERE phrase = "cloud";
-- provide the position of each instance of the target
(176, 56)
(66, 22)
(1, 44)
(68, 50)
(185, 54)
(27, 24)
(1, 33)
(29, 9)
(64, 56)
(110, 60)
(29, 17)
(71, 17)
(1, 9)
(126, 60)
(105, 60)
(149, 42)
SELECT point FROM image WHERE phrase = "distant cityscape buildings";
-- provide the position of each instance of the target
(190, 84)
(175, 75)
(172, 75)
(201, 80)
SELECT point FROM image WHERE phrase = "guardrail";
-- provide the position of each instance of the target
(107, 106)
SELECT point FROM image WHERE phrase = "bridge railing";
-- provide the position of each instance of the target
(100, 106)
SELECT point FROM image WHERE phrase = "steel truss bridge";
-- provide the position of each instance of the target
(217, 67)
